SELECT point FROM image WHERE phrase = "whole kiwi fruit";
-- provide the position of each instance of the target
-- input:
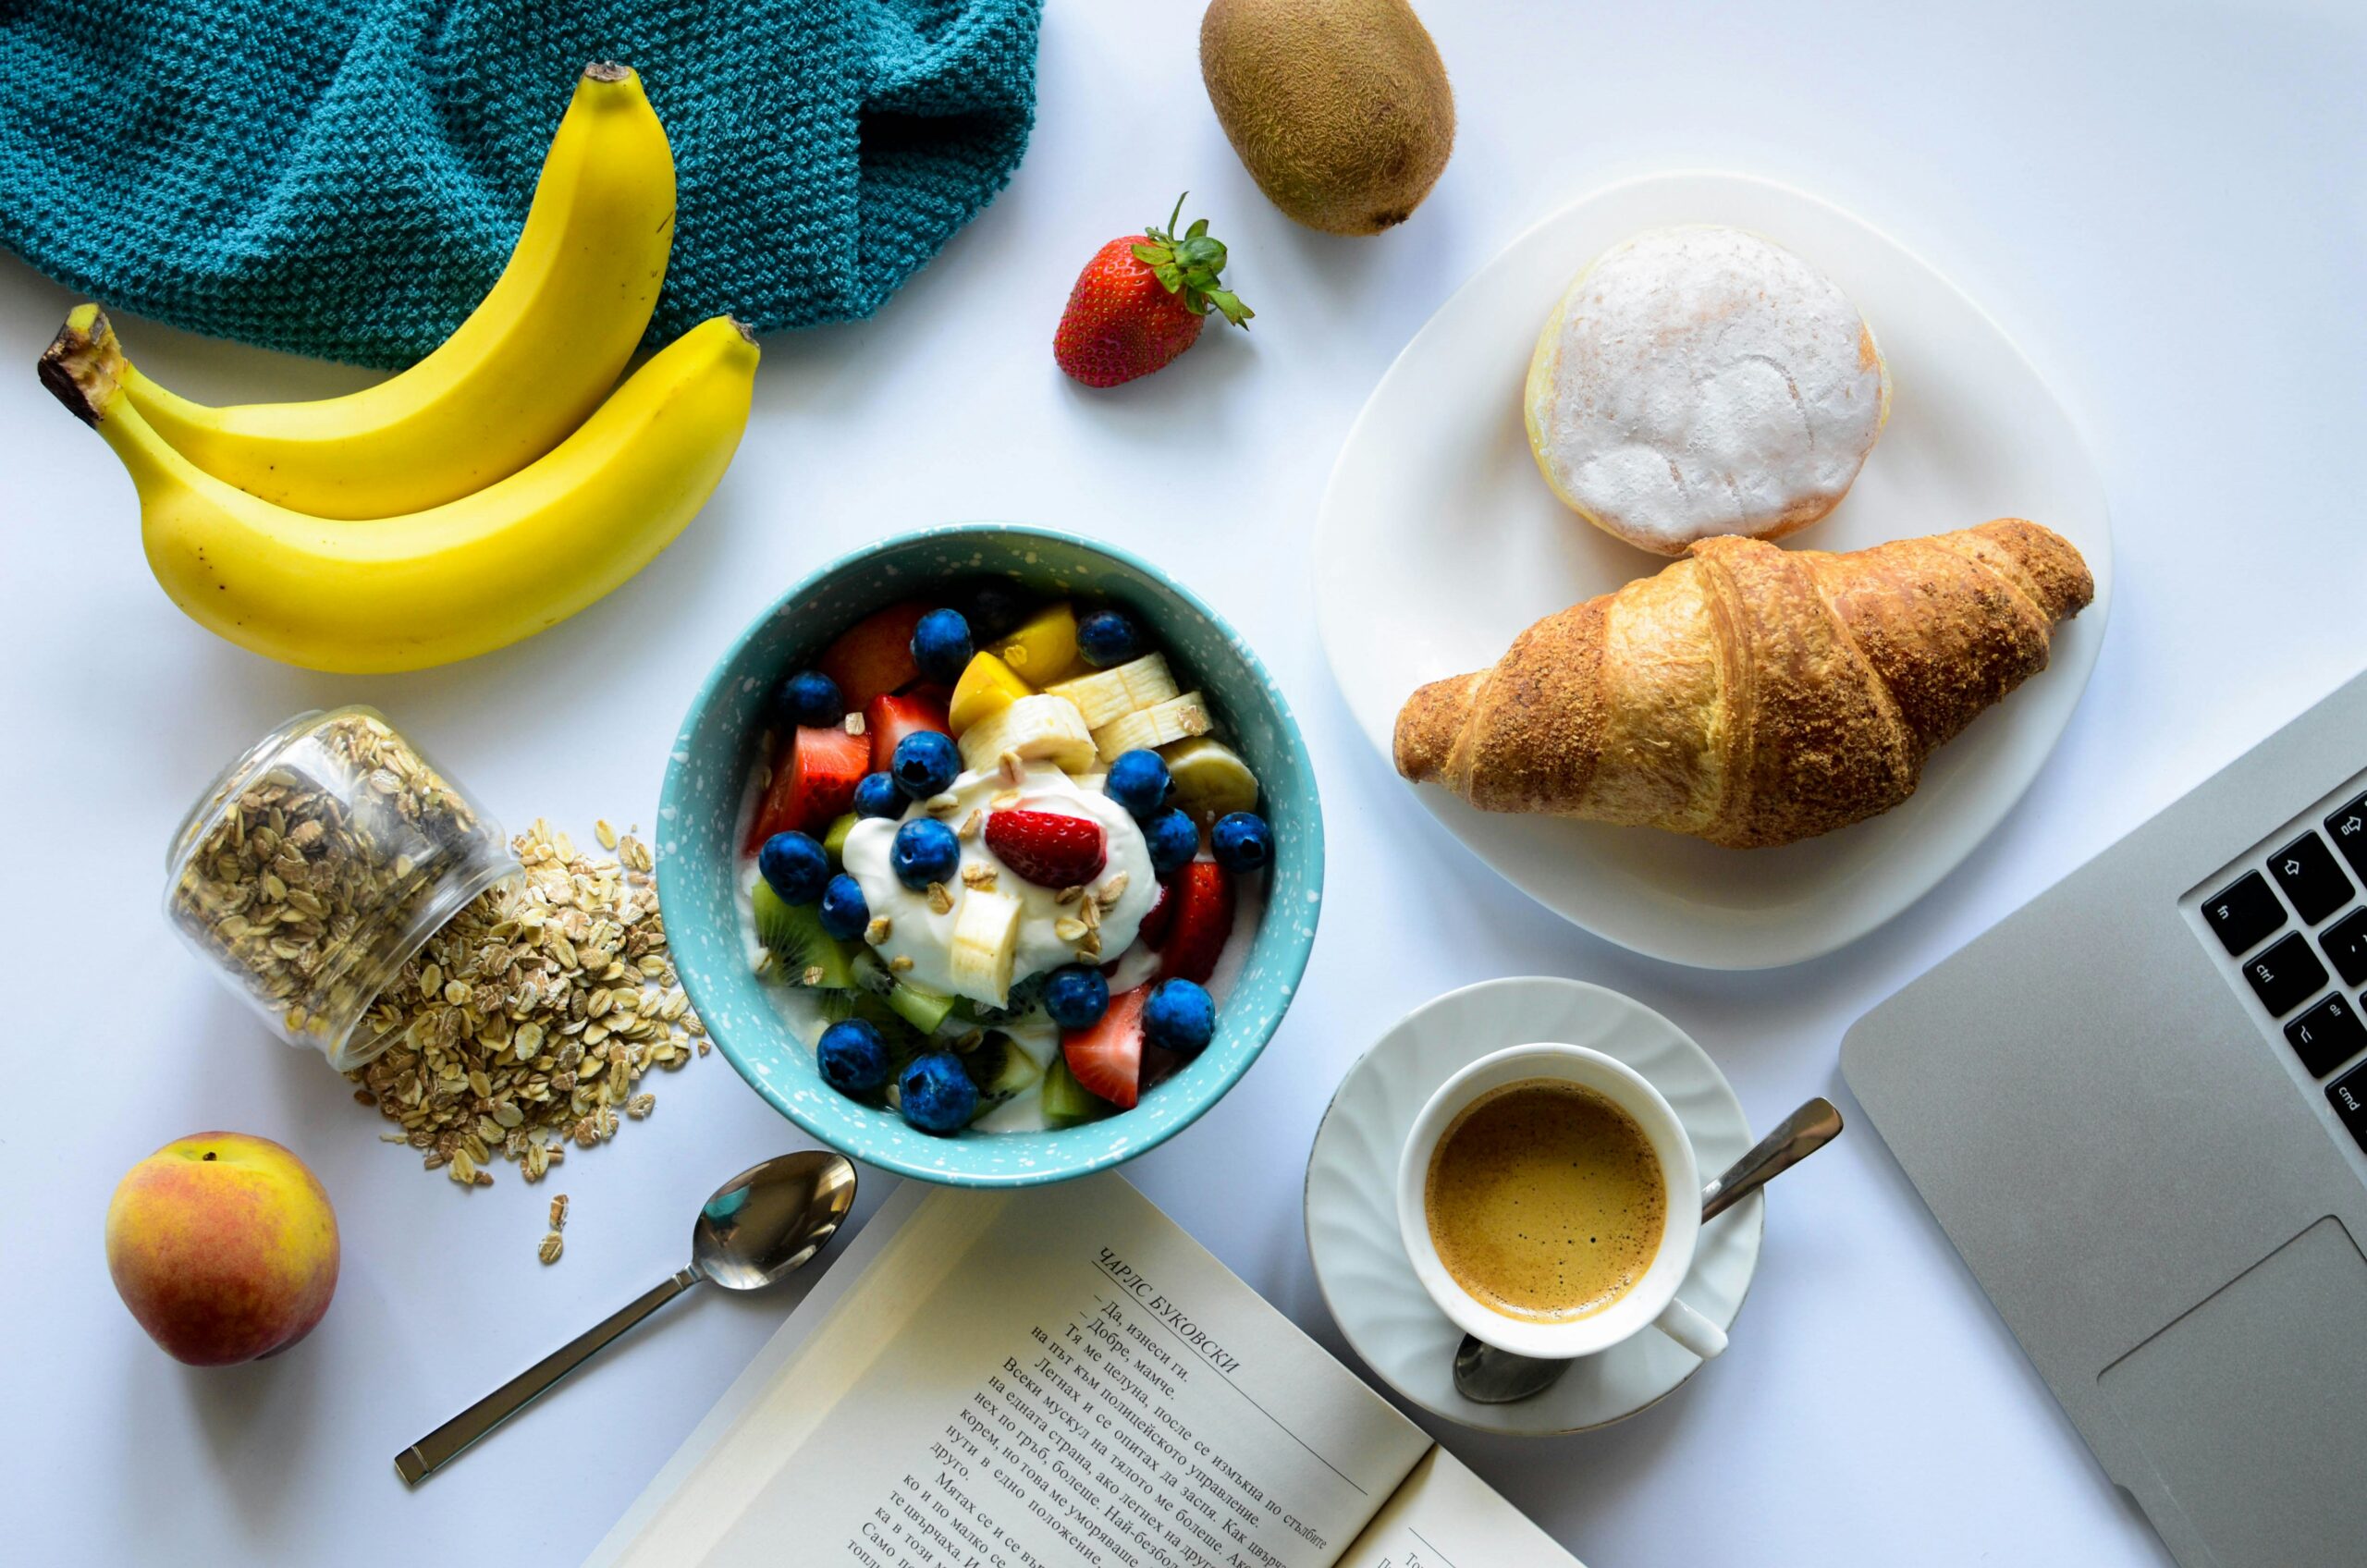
(1339, 109)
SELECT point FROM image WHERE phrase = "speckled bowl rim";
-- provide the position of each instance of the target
(1290, 957)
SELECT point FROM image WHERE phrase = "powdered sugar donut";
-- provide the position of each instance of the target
(1702, 380)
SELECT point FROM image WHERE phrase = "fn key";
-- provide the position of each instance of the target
(2285, 975)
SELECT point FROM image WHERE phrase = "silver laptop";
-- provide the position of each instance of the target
(2139, 1109)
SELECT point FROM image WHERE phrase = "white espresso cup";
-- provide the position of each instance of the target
(1652, 1302)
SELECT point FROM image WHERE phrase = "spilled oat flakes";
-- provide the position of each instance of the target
(526, 1021)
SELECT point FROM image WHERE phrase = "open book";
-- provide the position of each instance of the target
(1051, 1378)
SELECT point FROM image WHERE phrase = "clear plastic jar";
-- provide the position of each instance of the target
(319, 864)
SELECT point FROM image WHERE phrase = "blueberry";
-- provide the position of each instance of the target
(877, 796)
(1076, 996)
(844, 912)
(925, 851)
(942, 645)
(1180, 1016)
(793, 866)
(811, 699)
(1174, 838)
(1106, 637)
(934, 1093)
(1242, 841)
(926, 764)
(852, 1056)
(993, 608)
(1138, 782)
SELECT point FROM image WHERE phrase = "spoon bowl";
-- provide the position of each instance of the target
(770, 1219)
(762, 1225)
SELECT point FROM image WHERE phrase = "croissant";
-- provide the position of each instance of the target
(1751, 695)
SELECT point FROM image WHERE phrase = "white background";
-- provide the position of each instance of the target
(2163, 202)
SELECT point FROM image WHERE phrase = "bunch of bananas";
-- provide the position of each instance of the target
(487, 493)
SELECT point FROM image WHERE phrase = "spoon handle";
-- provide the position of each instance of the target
(1800, 1134)
(438, 1449)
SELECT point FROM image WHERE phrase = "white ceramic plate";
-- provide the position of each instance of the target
(1439, 542)
(1352, 1199)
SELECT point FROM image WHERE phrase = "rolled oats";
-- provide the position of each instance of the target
(526, 1021)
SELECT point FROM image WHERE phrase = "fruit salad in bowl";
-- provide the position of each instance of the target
(1019, 852)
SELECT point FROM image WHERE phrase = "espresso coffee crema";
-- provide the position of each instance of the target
(1545, 1200)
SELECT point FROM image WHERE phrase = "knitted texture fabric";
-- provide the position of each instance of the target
(345, 179)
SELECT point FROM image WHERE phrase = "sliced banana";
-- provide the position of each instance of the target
(1210, 779)
(1041, 727)
(1108, 695)
(985, 938)
(1178, 719)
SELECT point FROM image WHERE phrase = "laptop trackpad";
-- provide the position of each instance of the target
(2253, 1406)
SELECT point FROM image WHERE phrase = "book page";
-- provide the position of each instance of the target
(1446, 1517)
(1053, 1376)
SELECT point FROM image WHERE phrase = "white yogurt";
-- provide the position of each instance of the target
(920, 934)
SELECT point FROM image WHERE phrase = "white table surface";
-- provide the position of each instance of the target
(2163, 201)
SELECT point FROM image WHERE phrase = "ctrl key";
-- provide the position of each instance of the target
(2285, 975)
(2347, 1094)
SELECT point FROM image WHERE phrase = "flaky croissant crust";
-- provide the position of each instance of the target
(1751, 695)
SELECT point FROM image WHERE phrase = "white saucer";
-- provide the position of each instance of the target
(1439, 542)
(1352, 1212)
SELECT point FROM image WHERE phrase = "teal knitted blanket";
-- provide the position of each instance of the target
(344, 178)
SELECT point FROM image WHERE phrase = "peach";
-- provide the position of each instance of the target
(224, 1246)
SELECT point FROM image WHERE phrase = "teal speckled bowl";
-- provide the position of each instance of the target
(698, 859)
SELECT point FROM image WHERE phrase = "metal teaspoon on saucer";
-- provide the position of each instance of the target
(1485, 1375)
(758, 1228)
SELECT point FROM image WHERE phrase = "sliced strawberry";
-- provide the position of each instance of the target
(889, 719)
(1153, 930)
(1107, 1057)
(812, 785)
(1050, 848)
(874, 655)
(1203, 919)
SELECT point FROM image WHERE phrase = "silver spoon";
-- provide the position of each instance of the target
(1485, 1375)
(758, 1227)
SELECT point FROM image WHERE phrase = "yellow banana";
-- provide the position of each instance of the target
(478, 573)
(530, 363)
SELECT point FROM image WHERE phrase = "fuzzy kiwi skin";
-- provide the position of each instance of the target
(1339, 109)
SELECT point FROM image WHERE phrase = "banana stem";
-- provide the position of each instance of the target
(83, 367)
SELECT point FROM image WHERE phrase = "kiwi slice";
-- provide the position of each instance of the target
(1001, 1069)
(1068, 1102)
(834, 842)
(922, 1008)
(803, 953)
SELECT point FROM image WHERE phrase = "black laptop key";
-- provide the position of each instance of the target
(2285, 975)
(2348, 828)
(2346, 944)
(2327, 1035)
(2243, 913)
(2348, 1095)
(2305, 869)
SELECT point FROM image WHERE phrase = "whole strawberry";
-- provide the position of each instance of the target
(1141, 301)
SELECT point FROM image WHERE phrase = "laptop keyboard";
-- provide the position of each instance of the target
(2292, 923)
